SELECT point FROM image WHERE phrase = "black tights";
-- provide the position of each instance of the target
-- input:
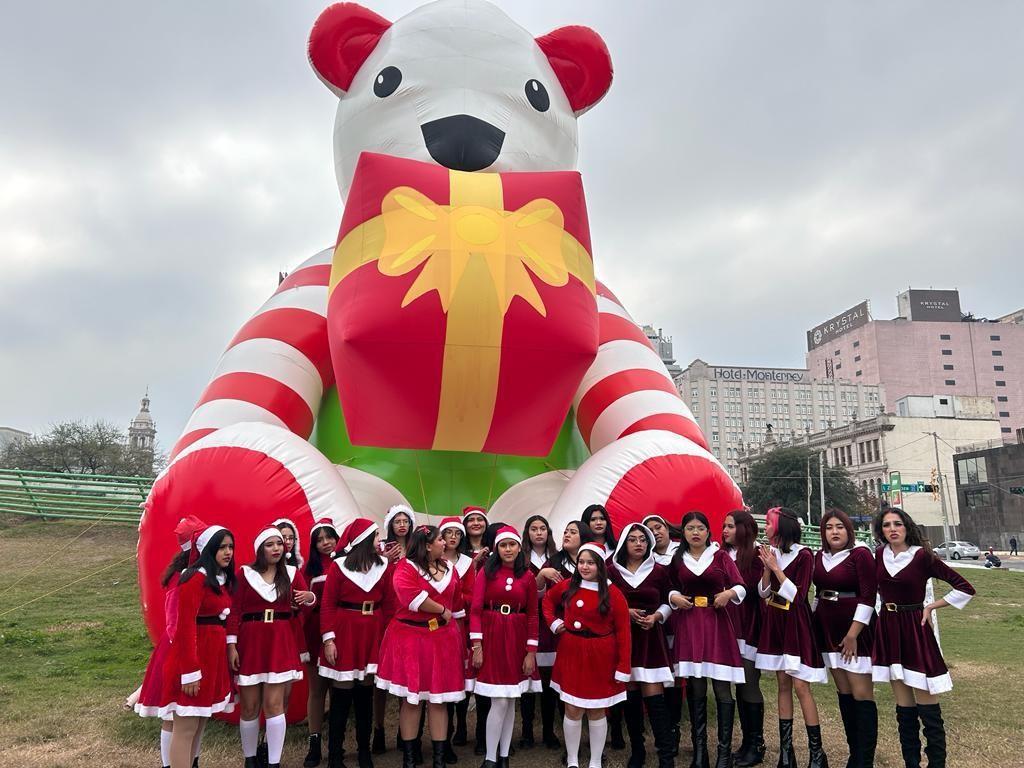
(750, 691)
(699, 686)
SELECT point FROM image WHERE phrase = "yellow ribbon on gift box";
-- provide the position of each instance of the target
(478, 257)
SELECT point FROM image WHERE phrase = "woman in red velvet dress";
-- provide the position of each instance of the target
(261, 642)
(454, 533)
(323, 538)
(739, 539)
(905, 652)
(422, 648)
(197, 681)
(646, 585)
(845, 588)
(786, 644)
(503, 637)
(357, 601)
(706, 581)
(590, 618)
(540, 549)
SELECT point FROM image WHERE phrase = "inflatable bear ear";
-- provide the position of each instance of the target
(343, 36)
(581, 62)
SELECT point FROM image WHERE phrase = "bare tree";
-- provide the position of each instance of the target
(93, 448)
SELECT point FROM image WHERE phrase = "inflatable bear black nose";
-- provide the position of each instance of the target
(463, 142)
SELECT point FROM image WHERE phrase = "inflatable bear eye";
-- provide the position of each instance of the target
(538, 95)
(389, 79)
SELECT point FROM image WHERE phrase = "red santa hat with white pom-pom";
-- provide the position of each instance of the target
(358, 530)
(507, 533)
(452, 522)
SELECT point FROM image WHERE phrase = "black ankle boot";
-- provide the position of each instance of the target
(251, 762)
(910, 735)
(698, 707)
(337, 721)
(195, 762)
(362, 702)
(657, 712)
(262, 754)
(934, 734)
(818, 758)
(379, 746)
(848, 711)
(438, 754)
(867, 732)
(787, 757)
(754, 754)
(313, 754)
(408, 758)
(527, 709)
(450, 758)
(726, 716)
(633, 713)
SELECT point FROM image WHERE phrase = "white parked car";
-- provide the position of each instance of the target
(954, 550)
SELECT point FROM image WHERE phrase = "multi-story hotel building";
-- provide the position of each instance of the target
(735, 404)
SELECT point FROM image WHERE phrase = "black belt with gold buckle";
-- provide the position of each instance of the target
(268, 616)
(778, 601)
(367, 607)
(504, 608)
(896, 608)
(200, 620)
(432, 624)
(834, 595)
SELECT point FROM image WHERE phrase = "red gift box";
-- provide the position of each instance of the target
(462, 312)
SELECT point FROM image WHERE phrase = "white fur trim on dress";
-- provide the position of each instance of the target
(864, 614)
(791, 665)
(144, 711)
(622, 677)
(787, 590)
(651, 675)
(555, 625)
(270, 677)
(347, 675)
(861, 665)
(914, 679)
(304, 657)
(415, 697)
(419, 600)
(741, 594)
(747, 651)
(957, 599)
(168, 711)
(576, 701)
(495, 691)
(191, 677)
(709, 670)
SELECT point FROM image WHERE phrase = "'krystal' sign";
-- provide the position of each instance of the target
(838, 325)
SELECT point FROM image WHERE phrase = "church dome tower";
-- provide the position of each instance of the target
(142, 429)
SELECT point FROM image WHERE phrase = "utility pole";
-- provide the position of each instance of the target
(810, 489)
(942, 490)
(821, 479)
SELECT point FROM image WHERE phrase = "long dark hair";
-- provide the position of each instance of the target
(674, 532)
(684, 545)
(915, 536)
(390, 533)
(363, 556)
(745, 538)
(490, 532)
(622, 556)
(416, 549)
(562, 558)
(282, 584)
(787, 528)
(609, 532)
(178, 564)
(493, 564)
(208, 562)
(315, 561)
(549, 546)
(605, 602)
(290, 558)
(842, 517)
(464, 546)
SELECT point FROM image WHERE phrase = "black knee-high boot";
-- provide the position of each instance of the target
(867, 732)
(450, 757)
(437, 754)
(814, 746)
(657, 712)
(417, 743)
(910, 735)
(698, 709)
(548, 704)
(337, 721)
(615, 738)
(460, 737)
(528, 708)
(634, 716)
(742, 712)
(483, 706)
(674, 704)
(787, 756)
(408, 759)
(754, 754)
(934, 734)
(848, 711)
(726, 716)
(362, 703)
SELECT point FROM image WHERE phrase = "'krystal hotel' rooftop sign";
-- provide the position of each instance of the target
(838, 325)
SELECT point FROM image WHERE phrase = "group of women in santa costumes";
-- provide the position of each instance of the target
(611, 628)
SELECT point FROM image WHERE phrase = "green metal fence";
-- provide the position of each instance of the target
(59, 495)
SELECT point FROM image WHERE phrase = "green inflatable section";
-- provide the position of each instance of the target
(442, 482)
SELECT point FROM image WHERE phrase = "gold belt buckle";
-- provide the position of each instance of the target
(367, 609)
(700, 601)
(268, 616)
(505, 610)
(890, 607)
(775, 601)
(433, 625)
(830, 594)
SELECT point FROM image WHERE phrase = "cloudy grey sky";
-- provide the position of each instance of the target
(756, 168)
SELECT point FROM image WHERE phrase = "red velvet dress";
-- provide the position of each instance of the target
(198, 653)
(503, 617)
(594, 653)
(646, 590)
(419, 662)
(354, 613)
(666, 559)
(903, 649)
(705, 644)
(746, 617)
(845, 587)
(261, 622)
(311, 622)
(545, 640)
(466, 572)
(152, 691)
(786, 641)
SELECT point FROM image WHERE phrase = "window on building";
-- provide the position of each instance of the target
(944, 337)
(836, 353)
(856, 344)
(856, 358)
(997, 368)
(975, 499)
(878, 453)
(947, 367)
(693, 392)
(714, 437)
(972, 471)
(997, 353)
(1000, 383)
(993, 338)
(860, 451)
(858, 373)
(1002, 398)
(1004, 414)
(950, 383)
(713, 392)
(1005, 430)
(947, 352)
(714, 421)
(714, 407)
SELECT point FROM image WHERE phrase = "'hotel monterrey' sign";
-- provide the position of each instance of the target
(768, 375)
(837, 326)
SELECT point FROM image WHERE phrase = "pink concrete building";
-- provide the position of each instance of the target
(931, 349)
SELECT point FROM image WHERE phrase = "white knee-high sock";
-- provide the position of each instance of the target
(275, 738)
(249, 730)
(165, 747)
(495, 724)
(573, 732)
(507, 727)
(598, 734)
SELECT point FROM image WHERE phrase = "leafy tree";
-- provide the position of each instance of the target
(93, 448)
(779, 479)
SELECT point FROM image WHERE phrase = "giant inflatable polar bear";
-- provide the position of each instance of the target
(454, 347)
